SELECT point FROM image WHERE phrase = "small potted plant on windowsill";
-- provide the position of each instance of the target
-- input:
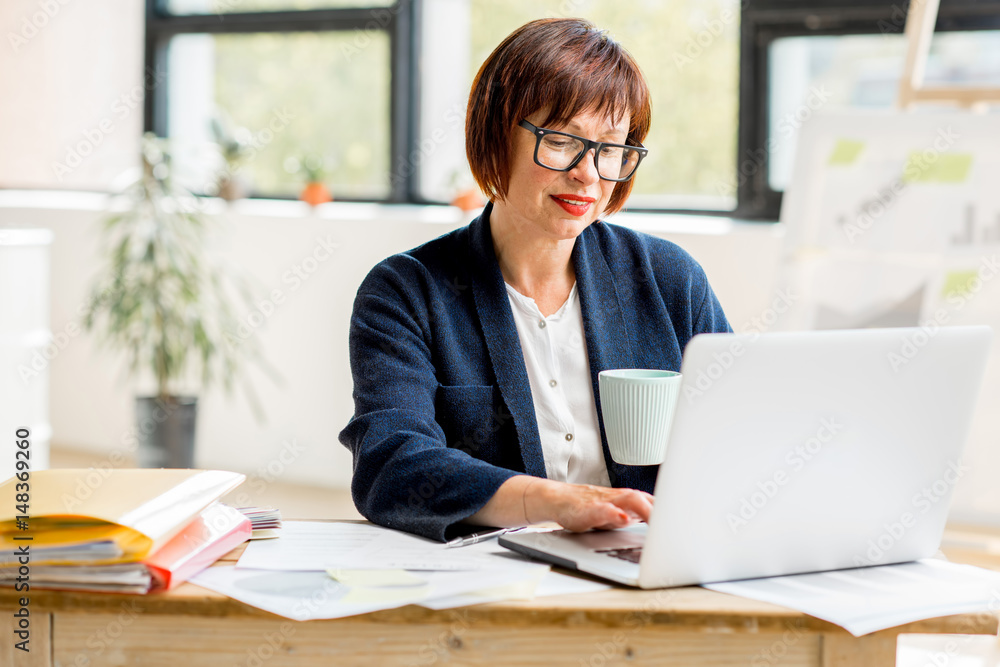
(467, 196)
(168, 308)
(315, 168)
(235, 149)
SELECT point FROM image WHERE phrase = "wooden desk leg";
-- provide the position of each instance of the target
(843, 650)
(39, 652)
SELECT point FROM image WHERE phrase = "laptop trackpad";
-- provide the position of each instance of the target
(623, 538)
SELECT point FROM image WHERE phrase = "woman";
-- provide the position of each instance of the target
(475, 356)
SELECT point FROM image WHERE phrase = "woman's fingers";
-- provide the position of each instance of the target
(636, 503)
(605, 516)
(586, 507)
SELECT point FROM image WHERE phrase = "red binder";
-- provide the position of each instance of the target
(213, 534)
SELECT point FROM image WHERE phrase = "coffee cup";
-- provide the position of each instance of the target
(637, 406)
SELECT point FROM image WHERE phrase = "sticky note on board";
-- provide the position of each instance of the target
(958, 283)
(846, 152)
(929, 167)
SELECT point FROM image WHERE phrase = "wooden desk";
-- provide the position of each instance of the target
(685, 627)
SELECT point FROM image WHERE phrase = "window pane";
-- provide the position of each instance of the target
(687, 49)
(287, 99)
(832, 73)
(230, 6)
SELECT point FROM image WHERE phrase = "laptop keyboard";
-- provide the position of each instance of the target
(631, 554)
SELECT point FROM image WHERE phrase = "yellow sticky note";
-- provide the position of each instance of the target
(846, 151)
(376, 578)
(929, 167)
(362, 595)
(520, 590)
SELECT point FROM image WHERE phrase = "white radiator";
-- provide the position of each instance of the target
(26, 345)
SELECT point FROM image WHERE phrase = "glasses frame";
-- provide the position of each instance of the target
(540, 132)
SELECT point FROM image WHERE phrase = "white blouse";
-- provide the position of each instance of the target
(555, 356)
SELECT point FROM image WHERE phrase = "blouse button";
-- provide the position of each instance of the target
(552, 383)
(541, 324)
(569, 436)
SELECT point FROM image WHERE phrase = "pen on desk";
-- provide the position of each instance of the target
(475, 538)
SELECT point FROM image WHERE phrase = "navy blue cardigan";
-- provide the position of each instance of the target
(443, 413)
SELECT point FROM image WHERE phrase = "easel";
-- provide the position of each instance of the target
(920, 20)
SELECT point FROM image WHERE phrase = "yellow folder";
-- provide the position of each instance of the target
(136, 509)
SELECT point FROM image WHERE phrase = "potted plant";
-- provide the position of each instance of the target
(314, 167)
(162, 303)
(235, 149)
(467, 196)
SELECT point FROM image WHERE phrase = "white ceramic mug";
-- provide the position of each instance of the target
(638, 407)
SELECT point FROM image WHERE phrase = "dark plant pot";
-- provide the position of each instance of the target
(166, 431)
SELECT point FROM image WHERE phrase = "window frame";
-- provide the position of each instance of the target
(761, 22)
(402, 29)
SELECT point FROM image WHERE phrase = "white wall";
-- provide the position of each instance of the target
(305, 338)
(72, 82)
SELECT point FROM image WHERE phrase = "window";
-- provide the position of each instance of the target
(860, 72)
(336, 83)
(687, 49)
(376, 95)
(281, 102)
(219, 7)
(801, 57)
(289, 88)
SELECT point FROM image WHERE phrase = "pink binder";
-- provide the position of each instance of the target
(216, 531)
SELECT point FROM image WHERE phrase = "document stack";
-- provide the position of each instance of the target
(116, 530)
(266, 521)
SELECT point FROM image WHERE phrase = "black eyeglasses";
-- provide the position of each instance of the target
(560, 151)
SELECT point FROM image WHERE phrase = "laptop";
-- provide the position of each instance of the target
(796, 452)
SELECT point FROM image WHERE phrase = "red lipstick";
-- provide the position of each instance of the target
(576, 205)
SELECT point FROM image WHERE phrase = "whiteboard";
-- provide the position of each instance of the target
(893, 219)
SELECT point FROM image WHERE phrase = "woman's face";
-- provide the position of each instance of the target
(560, 204)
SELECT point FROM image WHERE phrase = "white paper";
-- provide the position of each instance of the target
(288, 576)
(396, 550)
(308, 545)
(556, 583)
(519, 590)
(303, 596)
(551, 583)
(313, 546)
(865, 600)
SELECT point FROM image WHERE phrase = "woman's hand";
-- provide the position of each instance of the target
(524, 499)
(580, 507)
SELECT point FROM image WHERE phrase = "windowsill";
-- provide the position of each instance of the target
(659, 223)
(685, 223)
(71, 200)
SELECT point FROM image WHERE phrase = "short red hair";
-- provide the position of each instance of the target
(566, 65)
